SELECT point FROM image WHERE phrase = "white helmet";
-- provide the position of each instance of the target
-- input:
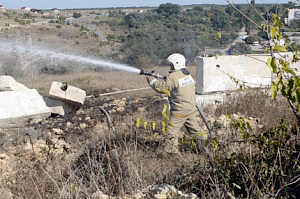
(178, 60)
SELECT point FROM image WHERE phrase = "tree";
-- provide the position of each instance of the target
(239, 49)
(198, 8)
(295, 23)
(76, 15)
(251, 39)
(168, 9)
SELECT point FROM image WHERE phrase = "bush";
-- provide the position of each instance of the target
(251, 39)
(76, 15)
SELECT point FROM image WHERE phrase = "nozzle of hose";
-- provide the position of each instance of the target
(144, 72)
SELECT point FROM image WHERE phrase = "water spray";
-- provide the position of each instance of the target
(33, 53)
(156, 75)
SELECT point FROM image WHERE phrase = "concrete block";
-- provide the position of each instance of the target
(67, 93)
(17, 107)
(8, 83)
(54, 104)
(218, 74)
(59, 110)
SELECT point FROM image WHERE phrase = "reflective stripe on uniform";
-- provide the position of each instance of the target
(178, 115)
(152, 82)
(185, 81)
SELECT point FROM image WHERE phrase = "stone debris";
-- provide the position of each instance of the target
(57, 131)
(67, 93)
(161, 191)
(141, 109)
(64, 99)
(17, 107)
(19, 104)
(8, 83)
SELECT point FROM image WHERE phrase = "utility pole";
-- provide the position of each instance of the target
(28, 44)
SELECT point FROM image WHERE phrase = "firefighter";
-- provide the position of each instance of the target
(180, 88)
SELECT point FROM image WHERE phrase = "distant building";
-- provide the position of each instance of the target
(35, 10)
(25, 8)
(1, 7)
(55, 11)
(293, 14)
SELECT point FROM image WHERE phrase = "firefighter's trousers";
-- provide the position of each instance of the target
(177, 121)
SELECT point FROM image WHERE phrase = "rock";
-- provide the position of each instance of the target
(118, 103)
(138, 195)
(137, 100)
(27, 146)
(105, 105)
(100, 195)
(101, 127)
(120, 109)
(163, 191)
(3, 156)
(82, 125)
(88, 119)
(122, 103)
(80, 111)
(38, 121)
(57, 131)
(140, 109)
(59, 143)
(69, 124)
(112, 111)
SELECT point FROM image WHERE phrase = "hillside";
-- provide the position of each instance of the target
(59, 37)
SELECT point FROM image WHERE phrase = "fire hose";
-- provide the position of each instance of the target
(143, 72)
(109, 123)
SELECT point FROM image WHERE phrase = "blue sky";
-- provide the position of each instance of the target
(63, 4)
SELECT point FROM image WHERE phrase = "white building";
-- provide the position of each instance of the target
(56, 11)
(293, 14)
(1, 6)
(25, 8)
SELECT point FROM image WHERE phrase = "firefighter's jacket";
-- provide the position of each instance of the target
(180, 89)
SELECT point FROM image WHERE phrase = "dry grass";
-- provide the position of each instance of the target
(123, 161)
(96, 83)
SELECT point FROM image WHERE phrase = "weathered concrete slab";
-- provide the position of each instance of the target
(8, 83)
(209, 99)
(16, 107)
(215, 76)
(218, 74)
(223, 73)
(70, 94)
(59, 107)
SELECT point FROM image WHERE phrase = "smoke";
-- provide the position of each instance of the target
(37, 54)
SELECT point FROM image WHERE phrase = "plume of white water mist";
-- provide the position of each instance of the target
(6, 47)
